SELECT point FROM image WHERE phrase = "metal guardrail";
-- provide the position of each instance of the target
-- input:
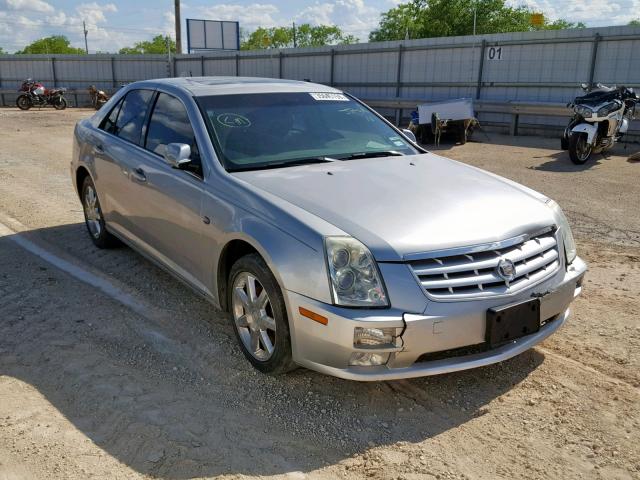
(515, 109)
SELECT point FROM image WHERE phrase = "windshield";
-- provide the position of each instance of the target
(270, 130)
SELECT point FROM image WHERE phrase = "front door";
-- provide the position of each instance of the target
(168, 201)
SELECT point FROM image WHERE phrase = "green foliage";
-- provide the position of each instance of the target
(52, 44)
(443, 18)
(157, 44)
(2, 52)
(634, 23)
(305, 36)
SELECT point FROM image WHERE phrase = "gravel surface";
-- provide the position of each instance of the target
(157, 387)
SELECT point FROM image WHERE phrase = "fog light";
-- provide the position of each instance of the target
(373, 336)
(362, 359)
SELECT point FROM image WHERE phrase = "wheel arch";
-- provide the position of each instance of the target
(230, 253)
(81, 173)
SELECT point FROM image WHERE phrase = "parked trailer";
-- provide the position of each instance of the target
(455, 116)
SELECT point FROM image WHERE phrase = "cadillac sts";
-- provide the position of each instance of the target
(330, 237)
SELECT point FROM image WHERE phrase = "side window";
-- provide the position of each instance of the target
(109, 122)
(170, 123)
(132, 114)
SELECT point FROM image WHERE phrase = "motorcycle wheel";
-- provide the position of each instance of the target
(579, 149)
(23, 102)
(60, 104)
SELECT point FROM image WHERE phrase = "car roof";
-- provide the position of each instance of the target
(205, 86)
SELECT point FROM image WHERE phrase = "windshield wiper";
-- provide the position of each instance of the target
(304, 161)
(285, 163)
(387, 153)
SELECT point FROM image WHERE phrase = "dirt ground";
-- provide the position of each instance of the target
(109, 368)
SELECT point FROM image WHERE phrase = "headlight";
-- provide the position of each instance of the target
(607, 109)
(565, 230)
(585, 112)
(354, 277)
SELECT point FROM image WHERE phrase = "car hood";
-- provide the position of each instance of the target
(403, 206)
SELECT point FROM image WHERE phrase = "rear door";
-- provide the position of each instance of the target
(118, 144)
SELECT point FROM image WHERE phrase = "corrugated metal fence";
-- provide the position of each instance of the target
(530, 66)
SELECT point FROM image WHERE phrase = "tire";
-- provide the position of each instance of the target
(579, 151)
(23, 102)
(262, 319)
(93, 218)
(60, 104)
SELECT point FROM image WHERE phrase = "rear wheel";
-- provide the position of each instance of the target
(579, 149)
(60, 103)
(23, 102)
(259, 315)
(93, 218)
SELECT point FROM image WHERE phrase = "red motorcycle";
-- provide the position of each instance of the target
(35, 94)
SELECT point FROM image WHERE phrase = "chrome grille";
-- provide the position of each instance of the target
(475, 273)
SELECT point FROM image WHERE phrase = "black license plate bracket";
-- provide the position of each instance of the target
(510, 322)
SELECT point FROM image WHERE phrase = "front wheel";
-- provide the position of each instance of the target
(579, 149)
(60, 103)
(23, 102)
(259, 315)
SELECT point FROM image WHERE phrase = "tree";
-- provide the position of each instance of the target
(157, 44)
(2, 52)
(634, 23)
(443, 18)
(52, 44)
(305, 35)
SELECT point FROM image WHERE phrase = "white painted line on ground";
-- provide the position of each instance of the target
(75, 271)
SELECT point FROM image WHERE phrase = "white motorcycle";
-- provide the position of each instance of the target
(601, 117)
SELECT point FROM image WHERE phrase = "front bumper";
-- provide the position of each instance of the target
(441, 327)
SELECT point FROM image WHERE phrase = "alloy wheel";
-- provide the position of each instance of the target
(92, 211)
(583, 149)
(253, 316)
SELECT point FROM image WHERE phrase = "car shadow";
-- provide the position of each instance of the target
(171, 396)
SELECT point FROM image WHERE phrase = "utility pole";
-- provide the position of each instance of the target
(295, 40)
(86, 45)
(178, 28)
(475, 15)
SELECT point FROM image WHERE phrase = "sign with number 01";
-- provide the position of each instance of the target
(494, 53)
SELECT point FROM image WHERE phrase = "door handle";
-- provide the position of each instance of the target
(98, 149)
(139, 175)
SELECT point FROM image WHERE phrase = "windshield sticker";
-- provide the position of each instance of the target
(329, 97)
(377, 145)
(233, 120)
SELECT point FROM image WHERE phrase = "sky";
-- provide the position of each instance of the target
(113, 24)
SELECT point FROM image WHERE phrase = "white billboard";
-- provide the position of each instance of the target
(212, 35)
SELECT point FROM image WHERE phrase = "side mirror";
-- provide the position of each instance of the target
(409, 134)
(177, 154)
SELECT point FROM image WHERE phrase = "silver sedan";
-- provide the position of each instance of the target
(334, 241)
